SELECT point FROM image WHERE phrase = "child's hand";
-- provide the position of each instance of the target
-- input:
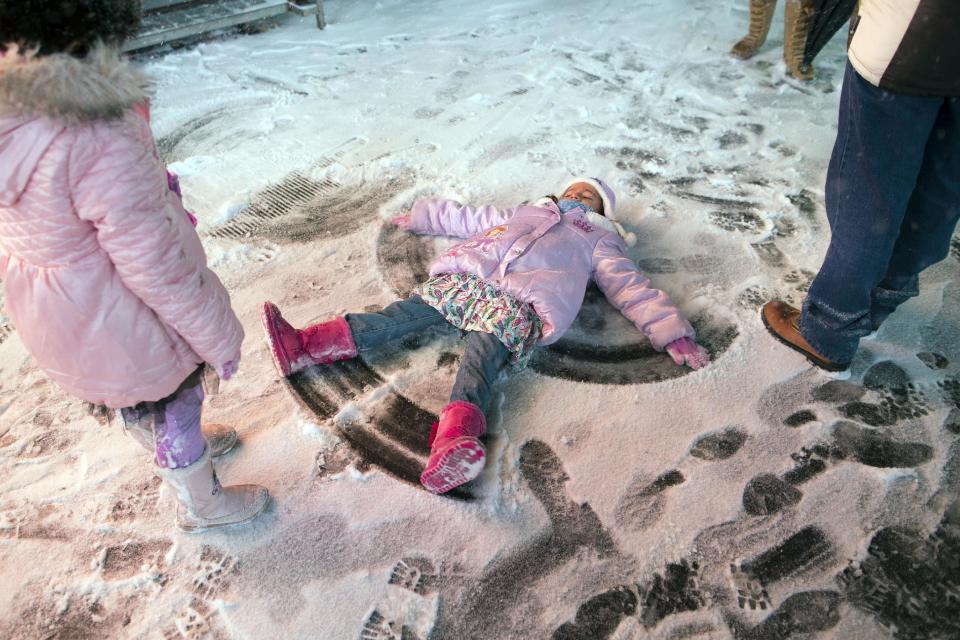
(403, 222)
(685, 351)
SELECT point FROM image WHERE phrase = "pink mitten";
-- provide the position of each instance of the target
(686, 351)
(403, 222)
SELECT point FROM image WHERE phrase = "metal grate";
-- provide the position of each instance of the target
(274, 202)
(171, 21)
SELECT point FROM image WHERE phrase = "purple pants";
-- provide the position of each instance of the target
(170, 426)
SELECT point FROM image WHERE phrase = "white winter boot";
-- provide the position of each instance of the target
(205, 503)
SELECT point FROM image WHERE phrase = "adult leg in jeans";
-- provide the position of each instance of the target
(931, 218)
(484, 356)
(371, 330)
(873, 171)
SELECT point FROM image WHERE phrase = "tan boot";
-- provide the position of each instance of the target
(781, 321)
(796, 25)
(206, 504)
(761, 14)
(220, 438)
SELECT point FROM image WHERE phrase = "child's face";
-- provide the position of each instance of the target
(584, 193)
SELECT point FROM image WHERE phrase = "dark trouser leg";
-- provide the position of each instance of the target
(931, 216)
(483, 358)
(873, 171)
(371, 330)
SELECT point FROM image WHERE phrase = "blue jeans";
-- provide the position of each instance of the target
(483, 356)
(892, 199)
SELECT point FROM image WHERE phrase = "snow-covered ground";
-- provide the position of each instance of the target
(623, 497)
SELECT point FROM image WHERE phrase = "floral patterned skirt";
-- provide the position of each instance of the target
(471, 303)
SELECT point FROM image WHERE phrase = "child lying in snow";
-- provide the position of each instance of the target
(518, 281)
(104, 276)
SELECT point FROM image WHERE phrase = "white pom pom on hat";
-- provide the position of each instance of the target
(609, 199)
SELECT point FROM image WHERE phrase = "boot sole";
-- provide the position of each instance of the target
(460, 463)
(266, 318)
(826, 365)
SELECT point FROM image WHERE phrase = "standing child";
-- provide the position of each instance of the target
(518, 281)
(103, 273)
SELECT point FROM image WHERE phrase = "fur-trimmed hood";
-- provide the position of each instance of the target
(99, 86)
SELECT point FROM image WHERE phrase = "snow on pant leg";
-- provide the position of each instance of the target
(932, 215)
(483, 358)
(371, 330)
(873, 170)
(178, 439)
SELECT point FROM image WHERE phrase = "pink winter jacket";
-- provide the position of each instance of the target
(105, 279)
(546, 259)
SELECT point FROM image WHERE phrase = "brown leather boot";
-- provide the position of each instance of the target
(781, 321)
(796, 25)
(761, 14)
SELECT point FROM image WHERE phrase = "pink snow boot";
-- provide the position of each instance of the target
(456, 454)
(295, 349)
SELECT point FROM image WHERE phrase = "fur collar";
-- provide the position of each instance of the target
(99, 86)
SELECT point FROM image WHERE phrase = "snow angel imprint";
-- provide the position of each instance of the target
(517, 282)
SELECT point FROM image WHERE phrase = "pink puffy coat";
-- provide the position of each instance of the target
(105, 278)
(545, 258)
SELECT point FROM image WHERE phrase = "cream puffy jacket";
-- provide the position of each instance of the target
(908, 46)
